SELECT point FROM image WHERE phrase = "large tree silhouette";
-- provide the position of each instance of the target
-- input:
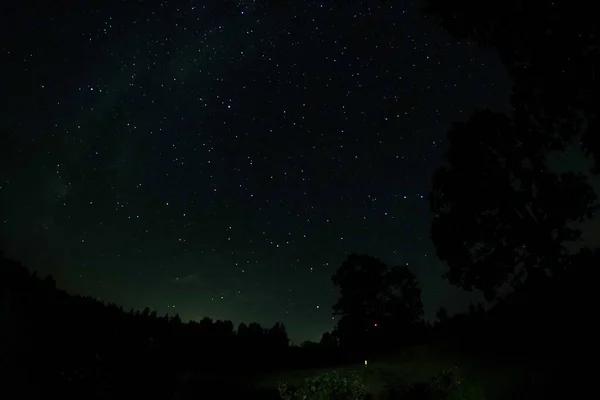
(500, 217)
(376, 303)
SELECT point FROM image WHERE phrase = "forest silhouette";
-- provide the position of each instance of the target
(54, 343)
(502, 221)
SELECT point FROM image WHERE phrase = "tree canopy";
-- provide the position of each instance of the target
(551, 50)
(500, 215)
(376, 302)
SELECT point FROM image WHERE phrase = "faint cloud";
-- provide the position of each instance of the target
(57, 187)
(191, 278)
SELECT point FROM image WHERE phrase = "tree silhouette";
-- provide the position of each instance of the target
(59, 344)
(277, 335)
(500, 216)
(329, 341)
(441, 315)
(376, 304)
(509, 213)
(551, 51)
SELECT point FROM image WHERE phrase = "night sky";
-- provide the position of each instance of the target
(221, 158)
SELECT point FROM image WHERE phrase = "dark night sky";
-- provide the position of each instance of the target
(221, 158)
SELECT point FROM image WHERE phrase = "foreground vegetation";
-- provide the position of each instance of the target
(426, 373)
(57, 344)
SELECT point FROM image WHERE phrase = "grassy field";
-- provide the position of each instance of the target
(480, 378)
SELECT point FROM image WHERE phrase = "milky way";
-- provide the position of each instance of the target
(220, 160)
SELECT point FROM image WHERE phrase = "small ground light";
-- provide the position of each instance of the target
(365, 362)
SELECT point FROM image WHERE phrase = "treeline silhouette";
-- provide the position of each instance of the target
(54, 341)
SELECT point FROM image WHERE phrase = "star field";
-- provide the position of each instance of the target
(221, 159)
